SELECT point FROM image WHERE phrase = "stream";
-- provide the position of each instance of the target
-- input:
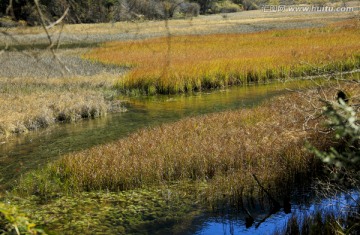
(31, 151)
(21, 154)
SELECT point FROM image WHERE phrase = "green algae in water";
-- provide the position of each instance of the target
(146, 210)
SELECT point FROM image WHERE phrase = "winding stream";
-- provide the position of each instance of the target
(33, 150)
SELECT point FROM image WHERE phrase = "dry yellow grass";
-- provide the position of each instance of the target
(33, 103)
(38, 110)
(187, 63)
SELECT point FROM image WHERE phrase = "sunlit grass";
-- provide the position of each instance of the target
(191, 63)
(223, 149)
(33, 103)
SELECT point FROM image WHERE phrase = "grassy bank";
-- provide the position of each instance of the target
(36, 110)
(34, 95)
(191, 63)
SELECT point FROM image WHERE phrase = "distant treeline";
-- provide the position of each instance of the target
(94, 11)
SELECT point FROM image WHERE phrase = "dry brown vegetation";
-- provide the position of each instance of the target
(224, 149)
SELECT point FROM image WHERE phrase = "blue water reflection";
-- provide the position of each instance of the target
(338, 205)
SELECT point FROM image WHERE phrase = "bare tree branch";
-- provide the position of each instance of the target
(59, 20)
(51, 43)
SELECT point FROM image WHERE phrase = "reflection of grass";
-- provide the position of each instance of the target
(320, 222)
(187, 63)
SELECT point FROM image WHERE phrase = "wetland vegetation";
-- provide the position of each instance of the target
(161, 178)
(194, 63)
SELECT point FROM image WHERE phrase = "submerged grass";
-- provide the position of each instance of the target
(140, 211)
(223, 149)
(191, 63)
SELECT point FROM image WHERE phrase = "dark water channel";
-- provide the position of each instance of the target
(32, 151)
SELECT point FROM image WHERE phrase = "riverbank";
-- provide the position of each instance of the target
(159, 177)
(38, 90)
(216, 147)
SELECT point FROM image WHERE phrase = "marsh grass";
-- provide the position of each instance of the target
(251, 20)
(222, 149)
(33, 103)
(192, 63)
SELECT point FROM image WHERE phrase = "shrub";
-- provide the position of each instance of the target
(225, 7)
(189, 9)
(343, 120)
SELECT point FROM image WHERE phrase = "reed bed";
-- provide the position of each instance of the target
(176, 64)
(32, 103)
(223, 149)
(31, 112)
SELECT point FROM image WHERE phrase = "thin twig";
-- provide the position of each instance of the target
(51, 44)
(59, 20)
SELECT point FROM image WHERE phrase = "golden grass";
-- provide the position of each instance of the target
(224, 149)
(188, 63)
(31, 112)
(32, 103)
